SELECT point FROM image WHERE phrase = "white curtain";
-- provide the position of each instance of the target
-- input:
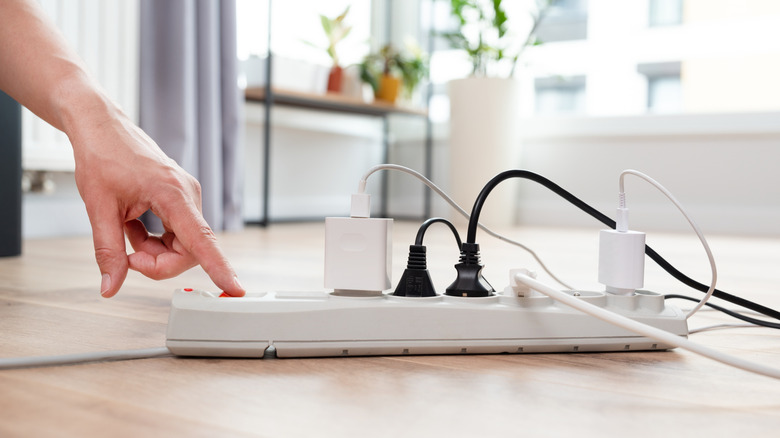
(189, 98)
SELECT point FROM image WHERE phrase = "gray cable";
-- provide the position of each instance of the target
(78, 358)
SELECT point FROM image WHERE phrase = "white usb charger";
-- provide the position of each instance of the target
(358, 251)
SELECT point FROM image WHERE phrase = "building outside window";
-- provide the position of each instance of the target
(664, 87)
(559, 95)
(666, 12)
(565, 20)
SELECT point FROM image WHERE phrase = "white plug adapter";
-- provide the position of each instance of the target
(621, 261)
(358, 255)
(517, 289)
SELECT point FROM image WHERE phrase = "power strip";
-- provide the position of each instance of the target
(312, 324)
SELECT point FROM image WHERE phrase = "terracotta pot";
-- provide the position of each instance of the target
(334, 79)
(389, 87)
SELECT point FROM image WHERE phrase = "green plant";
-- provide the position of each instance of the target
(410, 65)
(484, 34)
(336, 30)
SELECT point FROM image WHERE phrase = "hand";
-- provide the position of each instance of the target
(121, 173)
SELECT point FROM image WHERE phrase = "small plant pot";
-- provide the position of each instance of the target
(389, 87)
(334, 79)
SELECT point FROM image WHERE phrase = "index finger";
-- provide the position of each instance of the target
(198, 239)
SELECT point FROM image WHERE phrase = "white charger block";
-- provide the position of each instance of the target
(358, 253)
(621, 260)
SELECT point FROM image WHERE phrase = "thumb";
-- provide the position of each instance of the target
(110, 254)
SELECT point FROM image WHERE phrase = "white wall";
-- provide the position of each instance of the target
(722, 168)
(317, 160)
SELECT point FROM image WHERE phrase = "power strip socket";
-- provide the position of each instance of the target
(315, 324)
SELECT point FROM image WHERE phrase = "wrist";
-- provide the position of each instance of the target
(81, 107)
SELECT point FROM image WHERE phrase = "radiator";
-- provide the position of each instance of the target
(105, 34)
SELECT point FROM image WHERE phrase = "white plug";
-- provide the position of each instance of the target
(518, 289)
(622, 255)
(358, 251)
(621, 261)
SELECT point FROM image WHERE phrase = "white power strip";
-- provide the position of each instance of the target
(310, 324)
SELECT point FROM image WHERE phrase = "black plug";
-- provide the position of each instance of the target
(416, 281)
(469, 282)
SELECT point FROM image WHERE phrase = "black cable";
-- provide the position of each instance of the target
(601, 217)
(731, 313)
(431, 221)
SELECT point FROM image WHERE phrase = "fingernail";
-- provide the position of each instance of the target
(237, 283)
(238, 286)
(105, 284)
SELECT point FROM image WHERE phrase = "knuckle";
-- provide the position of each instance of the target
(206, 244)
(203, 239)
(207, 235)
(182, 185)
(106, 256)
(196, 187)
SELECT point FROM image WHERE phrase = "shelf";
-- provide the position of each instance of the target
(335, 103)
(330, 102)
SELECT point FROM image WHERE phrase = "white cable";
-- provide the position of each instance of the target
(440, 192)
(70, 359)
(644, 329)
(696, 229)
(723, 326)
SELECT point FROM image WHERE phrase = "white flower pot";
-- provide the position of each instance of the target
(484, 141)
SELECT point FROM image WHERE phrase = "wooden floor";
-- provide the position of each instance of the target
(49, 304)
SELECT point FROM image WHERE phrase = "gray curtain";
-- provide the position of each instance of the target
(189, 98)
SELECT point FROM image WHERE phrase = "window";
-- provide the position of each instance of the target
(560, 95)
(664, 88)
(664, 94)
(297, 32)
(565, 20)
(665, 12)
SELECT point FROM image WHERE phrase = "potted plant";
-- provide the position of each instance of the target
(390, 71)
(485, 107)
(484, 35)
(336, 30)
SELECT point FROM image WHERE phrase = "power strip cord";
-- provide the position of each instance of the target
(644, 329)
(733, 314)
(79, 358)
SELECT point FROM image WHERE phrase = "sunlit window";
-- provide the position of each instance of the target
(665, 12)
(297, 37)
(297, 31)
(565, 20)
(664, 88)
(558, 96)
